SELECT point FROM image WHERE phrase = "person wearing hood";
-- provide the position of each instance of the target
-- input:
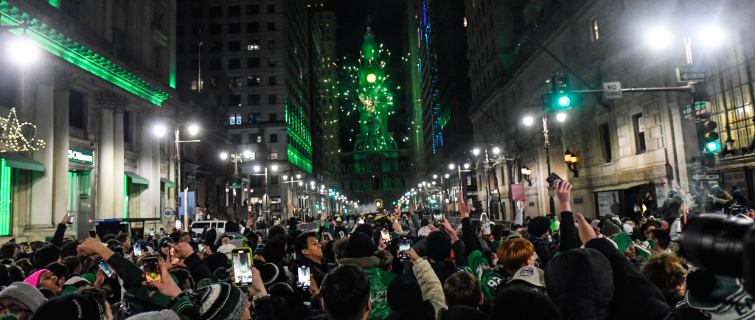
(360, 252)
(308, 254)
(406, 300)
(713, 297)
(538, 229)
(522, 303)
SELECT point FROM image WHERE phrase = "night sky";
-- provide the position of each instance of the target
(388, 22)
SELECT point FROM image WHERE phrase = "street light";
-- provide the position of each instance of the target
(496, 150)
(23, 50)
(256, 168)
(527, 121)
(435, 176)
(223, 155)
(193, 129)
(659, 38)
(712, 35)
(476, 151)
(159, 130)
(451, 166)
(561, 117)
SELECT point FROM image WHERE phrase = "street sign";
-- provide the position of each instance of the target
(612, 90)
(168, 213)
(710, 176)
(690, 72)
(701, 108)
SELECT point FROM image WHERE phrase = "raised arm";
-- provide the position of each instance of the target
(568, 231)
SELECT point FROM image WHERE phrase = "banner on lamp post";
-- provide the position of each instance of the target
(517, 192)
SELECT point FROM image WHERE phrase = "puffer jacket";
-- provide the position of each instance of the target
(580, 283)
(379, 282)
(432, 289)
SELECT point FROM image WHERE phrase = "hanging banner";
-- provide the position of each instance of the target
(517, 191)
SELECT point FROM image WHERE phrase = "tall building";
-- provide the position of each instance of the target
(438, 54)
(254, 59)
(325, 20)
(100, 81)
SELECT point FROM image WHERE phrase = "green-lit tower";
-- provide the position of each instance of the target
(376, 103)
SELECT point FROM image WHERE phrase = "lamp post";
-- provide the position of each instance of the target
(265, 197)
(160, 131)
(529, 121)
(460, 170)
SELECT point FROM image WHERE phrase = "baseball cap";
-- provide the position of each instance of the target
(529, 274)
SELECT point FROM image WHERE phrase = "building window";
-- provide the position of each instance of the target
(253, 44)
(234, 63)
(234, 82)
(254, 117)
(126, 125)
(253, 81)
(234, 45)
(274, 156)
(179, 31)
(274, 180)
(271, 80)
(216, 11)
(639, 132)
(253, 26)
(605, 141)
(234, 27)
(271, 62)
(235, 138)
(274, 138)
(215, 46)
(271, 26)
(216, 64)
(216, 28)
(253, 62)
(234, 119)
(76, 109)
(253, 99)
(234, 100)
(213, 83)
(259, 139)
(270, 8)
(271, 99)
(271, 44)
(594, 35)
(253, 9)
(273, 117)
(194, 85)
(196, 29)
(234, 11)
(196, 12)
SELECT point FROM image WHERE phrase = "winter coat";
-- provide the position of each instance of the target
(579, 282)
(489, 279)
(632, 288)
(379, 282)
(432, 288)
(463, 313)
(318, 272)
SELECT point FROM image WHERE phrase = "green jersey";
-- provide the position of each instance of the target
(490, 280)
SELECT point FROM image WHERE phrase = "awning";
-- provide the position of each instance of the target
(168, 183)
(15, 160)
(621, 186)
(137, 179)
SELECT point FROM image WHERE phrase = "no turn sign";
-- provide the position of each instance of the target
(612, 90)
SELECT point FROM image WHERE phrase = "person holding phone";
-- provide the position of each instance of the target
(309, 254)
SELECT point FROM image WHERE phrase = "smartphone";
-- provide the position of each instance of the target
(178, 224)
(303, 277)
(106, 268)
(137, 250)
(438, 218)
(152, 271)
(162, 231)
(152, 232)
(70, 214)
(24, 246)
(486, 228)
(172, 254)
(386, 236)
(552, 178)
(92, 233)
(340, 235)
(404, 245)
(242, 266)
(201, 248)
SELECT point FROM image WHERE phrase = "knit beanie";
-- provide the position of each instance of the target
(33, 279)
(24, 293)
(215, 261)
(218, 301)
(539, 226)
(359, 246)
(73, 306)
(404, 291)
(274, 251)
(609, 229)
(163, 242)
(438, 246)
(166, 314)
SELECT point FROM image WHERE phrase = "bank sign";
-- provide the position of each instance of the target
(81, 156)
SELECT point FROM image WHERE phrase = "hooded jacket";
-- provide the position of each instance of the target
(432, 288)
(379, 282)
(579, 282)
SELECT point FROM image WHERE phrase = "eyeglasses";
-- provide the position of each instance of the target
(13, 310)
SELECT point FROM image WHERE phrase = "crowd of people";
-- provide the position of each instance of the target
(575, 268)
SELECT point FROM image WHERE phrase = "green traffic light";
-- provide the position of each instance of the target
(564, 101)
(712, 146)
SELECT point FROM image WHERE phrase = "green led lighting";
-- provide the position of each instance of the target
(54, 3)
(60, 45)
(298, 159)
(125, 196)
(5, 188)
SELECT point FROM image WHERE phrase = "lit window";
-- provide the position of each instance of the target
(253, 44)
(274, 156)
(594, 30)
(465, 22)
(194, 85)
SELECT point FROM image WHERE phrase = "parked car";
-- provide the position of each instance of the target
(198, 226)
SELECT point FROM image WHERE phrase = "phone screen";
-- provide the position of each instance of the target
(486, 228)
(106, 268)
(152, 232)
(438, 218)
(304, 277)
(340, 234)
(386, 236)
(242, 266)
(152, 271)
(403, 246)
(162, 231)
(137, 250)
(201, 248)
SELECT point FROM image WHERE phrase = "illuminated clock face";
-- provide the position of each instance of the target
(371, 78)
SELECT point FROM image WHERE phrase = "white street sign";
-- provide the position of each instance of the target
(707, 176)
(612, 90)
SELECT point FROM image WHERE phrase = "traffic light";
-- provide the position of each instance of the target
(561, 90)
(710, 136)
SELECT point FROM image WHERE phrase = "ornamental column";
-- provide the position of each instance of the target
(42, 182)
(105, 155)
(119, 166)
(60, 148)
(146, 141)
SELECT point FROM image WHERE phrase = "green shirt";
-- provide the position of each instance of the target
(489, 279)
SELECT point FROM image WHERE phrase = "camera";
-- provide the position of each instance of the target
(722, 245)
(736, 209)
